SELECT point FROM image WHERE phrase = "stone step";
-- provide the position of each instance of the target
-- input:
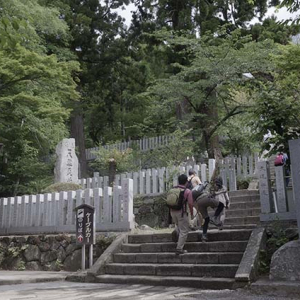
(243, 193)
(245, 226)
(251, 198)
(191, 270)
(243, 220)
(225, 235)
(187, 258)
(242, 212)
(222, 246)
(196, 282)
(244, 205)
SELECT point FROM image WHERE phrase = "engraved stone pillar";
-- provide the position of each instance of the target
(66, 167)
(295, 166)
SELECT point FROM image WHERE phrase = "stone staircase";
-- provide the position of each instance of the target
(150, 258)
(244, 208)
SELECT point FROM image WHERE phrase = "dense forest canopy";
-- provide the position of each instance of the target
(71, 68)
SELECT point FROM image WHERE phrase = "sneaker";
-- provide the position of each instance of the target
(175, 236)
(213, 220)
(179, 252)
(220, 226)
(204, 238)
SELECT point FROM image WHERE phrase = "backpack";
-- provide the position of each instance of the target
(189, 184)
(279, 161)
(202, 193)
(175, 198)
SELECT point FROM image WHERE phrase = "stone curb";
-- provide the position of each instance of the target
(248, 268)
(106, 257)
(21, 278)
(99, 266)
(276, 288)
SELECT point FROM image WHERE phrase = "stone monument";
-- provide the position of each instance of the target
(66, 167)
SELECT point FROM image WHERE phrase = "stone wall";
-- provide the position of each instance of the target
(60, 252)
(47, 252)
(151, 210)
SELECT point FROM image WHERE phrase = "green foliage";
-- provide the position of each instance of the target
(12, 253)
(276, 238)
(192, 16)
(28, 23)
(124, 160)
(276, 110)
(35, 91)
(174, 153)
(271, 29)
(103, 242)
(58, 265)
(204, 87)
(237, 136)
(243, 183)
(21, 265)
(61, 187)
(147, 81)
(292, 5)
(264, 262)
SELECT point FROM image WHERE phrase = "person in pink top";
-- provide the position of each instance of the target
(180, 217)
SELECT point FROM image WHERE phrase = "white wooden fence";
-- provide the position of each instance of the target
(54, 213)
(233, 168)
(149, 181)
(143, 145)
(153, 181)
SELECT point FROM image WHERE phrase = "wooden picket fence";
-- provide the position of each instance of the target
(153, 181)
(54, 213)
(142, 145)
(233, 168)
(149, 181)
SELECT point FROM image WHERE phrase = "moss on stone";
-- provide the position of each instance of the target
(62, 187)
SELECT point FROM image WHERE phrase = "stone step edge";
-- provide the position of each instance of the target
(233, 230)
(170, 243)
(244, 211)
(181, 265)
(172, 253)
(253, 195)
(238, 218)
(241, 226)
(212, 283)
(244, 191)
(244, 202)
(168, 233)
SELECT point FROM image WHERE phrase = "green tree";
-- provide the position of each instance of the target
(276, 110)
(270, 28)
(34, 92)
(217, 66)
(200, 15)
(97, 41)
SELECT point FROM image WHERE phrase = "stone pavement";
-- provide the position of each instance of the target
(91, 291)
(41, 288)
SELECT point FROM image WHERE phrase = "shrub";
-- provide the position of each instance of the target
(243, 183)
(61, 187)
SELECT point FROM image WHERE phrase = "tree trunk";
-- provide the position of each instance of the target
(77, 132)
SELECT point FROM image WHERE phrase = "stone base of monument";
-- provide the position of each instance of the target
(285, 263)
